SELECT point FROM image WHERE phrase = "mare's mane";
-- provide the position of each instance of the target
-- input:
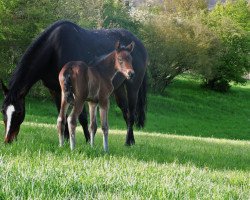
(25, 63)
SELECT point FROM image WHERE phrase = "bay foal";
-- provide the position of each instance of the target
(80, 82)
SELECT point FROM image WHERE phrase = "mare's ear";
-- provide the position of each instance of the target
(117, 45)
(131, 46)
(4, 88)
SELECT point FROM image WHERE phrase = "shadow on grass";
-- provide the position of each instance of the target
(201, 153)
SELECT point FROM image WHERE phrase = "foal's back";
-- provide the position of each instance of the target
(87, 82)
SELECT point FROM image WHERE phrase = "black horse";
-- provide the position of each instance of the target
(65, 41)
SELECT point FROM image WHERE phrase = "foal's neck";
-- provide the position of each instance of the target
(107, 66)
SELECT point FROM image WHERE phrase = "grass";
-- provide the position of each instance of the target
(184, 109)
(163, 164)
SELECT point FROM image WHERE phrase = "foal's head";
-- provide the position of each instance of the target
(123, 59)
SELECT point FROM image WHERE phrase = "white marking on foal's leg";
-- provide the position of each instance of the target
(105, 128)
(9, 112)
(72, 128)
(93, 123)
(92, 135)
(105, 142)
(72, 141)
(61, 131)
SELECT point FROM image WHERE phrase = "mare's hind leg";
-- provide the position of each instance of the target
(104, 106)
(72, 122)
(93, 123)
(57, 98)
(83, 119)
(61, 121)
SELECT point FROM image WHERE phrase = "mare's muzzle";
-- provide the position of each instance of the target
(10, 137)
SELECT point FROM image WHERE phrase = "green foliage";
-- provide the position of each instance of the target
(178, 42)
(20, 22)
(186, 36)
(230, 22)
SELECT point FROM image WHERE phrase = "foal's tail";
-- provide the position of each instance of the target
(141, 106)
(68, 88)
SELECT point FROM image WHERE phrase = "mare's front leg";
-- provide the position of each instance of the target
(121, 100)
(104, 106)
(128, 110)
(83, 119)
(93, 123)
(132, 95)
(72, 122)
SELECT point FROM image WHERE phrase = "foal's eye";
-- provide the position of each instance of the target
(120, 60)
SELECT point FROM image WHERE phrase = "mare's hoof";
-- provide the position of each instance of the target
(129, 143)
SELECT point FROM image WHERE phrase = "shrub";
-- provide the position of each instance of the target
(230, 23)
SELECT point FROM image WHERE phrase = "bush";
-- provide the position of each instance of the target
(230, 23)
(182, 36)
(177, 43)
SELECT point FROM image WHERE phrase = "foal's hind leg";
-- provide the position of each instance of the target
(57, 98)
(72, 122)
(61, 121)
(93, 123)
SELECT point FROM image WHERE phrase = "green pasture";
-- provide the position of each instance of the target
(195, 146)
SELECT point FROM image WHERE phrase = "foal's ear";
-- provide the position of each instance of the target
(4, 88)
(117, 45)
(131, 46)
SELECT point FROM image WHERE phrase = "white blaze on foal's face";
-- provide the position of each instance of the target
(9, 113)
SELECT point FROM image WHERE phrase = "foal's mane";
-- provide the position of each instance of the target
(97, 60)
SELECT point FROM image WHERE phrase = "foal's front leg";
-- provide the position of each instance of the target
(104, 121)
(93, 123)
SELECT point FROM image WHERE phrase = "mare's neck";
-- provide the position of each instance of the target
(21, 81)
(107, 66)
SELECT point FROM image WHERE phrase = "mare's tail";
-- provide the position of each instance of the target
(141, 106)
(68, 88)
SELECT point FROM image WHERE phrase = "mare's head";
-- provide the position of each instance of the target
(123, 59)
(13, 110)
